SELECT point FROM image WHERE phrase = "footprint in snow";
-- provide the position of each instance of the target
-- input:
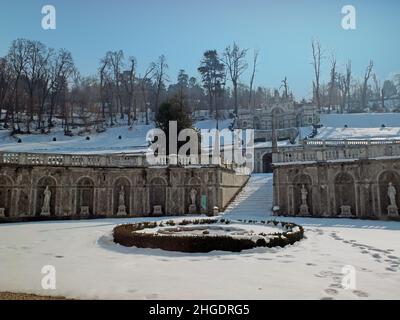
(391, 269)
(360, 293)
(332, 292)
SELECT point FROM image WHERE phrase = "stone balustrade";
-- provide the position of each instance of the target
(332, 150)
(111, 160)
(74, 160)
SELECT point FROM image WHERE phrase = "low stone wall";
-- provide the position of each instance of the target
(114, 191)
(231, 185)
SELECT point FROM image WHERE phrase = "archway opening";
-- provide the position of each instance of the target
(158, 196)
(267, 163)
(345, 194)
(85, 196)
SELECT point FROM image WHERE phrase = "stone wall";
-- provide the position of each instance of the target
(96, 190)
(357, 187)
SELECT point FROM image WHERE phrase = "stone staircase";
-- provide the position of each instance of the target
(254, 201)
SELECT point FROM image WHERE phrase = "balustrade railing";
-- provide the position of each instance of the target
(331, 150)
(111, 160)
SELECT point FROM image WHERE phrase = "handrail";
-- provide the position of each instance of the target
(109, 160)
(331, 150)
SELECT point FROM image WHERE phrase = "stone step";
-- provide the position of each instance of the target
(256, 198)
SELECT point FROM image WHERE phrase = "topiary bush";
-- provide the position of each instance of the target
(128, 236)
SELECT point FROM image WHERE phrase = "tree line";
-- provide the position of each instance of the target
(41, 87)
(347, 93)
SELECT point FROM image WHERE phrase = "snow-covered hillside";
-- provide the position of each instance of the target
(132, 140)
(359, 126)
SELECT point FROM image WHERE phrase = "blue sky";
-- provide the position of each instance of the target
(183, 29)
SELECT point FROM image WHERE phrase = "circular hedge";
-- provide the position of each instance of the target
(130, 235)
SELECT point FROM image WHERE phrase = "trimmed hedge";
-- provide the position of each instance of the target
(128, 236)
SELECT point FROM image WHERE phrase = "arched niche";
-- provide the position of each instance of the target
(43, 183)
(85, 196)
(345, 192)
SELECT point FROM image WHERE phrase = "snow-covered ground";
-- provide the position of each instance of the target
(358, 133)
(90, 265)
(132, 140)
(360, 126)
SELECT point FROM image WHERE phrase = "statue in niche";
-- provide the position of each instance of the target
(193, 194)
(46, 201)
(304, 194)
(392, 194)
(121, 200)
(192, 206)
(304, 211)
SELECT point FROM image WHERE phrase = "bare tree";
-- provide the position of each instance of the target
(332, 82)
(63, 68)
(160, 76)
(378, 90)
(285, 87)
(103, 76)
(116, 60)
(234, 59)
(129, 84)
(317, 56)
(17, 57)
(5, 85)
(347, 84)
(364, 89)
(35, 69)
(148, 75)
(255, 58)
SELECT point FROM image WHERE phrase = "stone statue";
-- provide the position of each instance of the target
(304, 194)
(392, 194)
(121, 200)
(193, 194)
(46, 201)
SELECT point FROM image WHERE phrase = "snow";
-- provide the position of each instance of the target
(254, 201)
(89, 265)
(358, 133)
(132, 140)
(360, 126)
